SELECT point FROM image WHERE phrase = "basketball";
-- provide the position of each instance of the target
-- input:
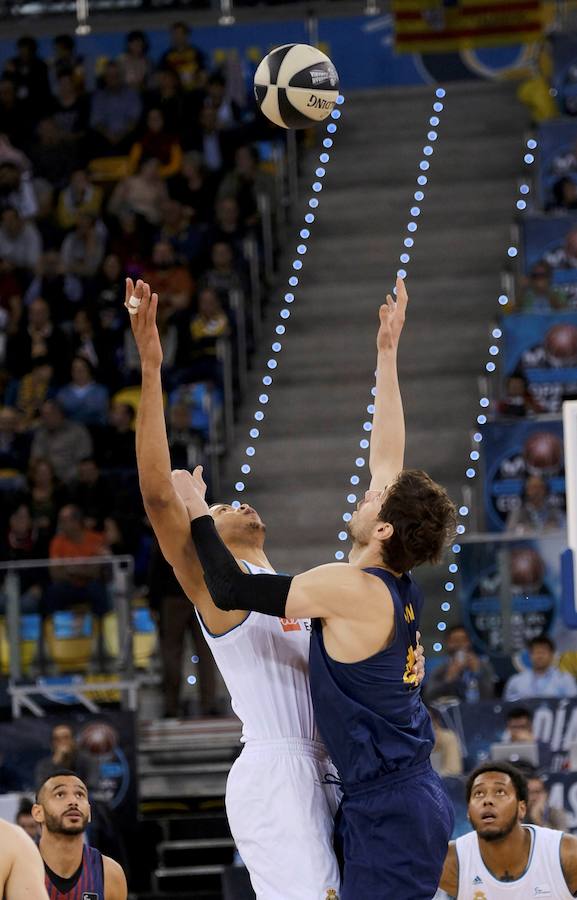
(296, 86)
(99, 739)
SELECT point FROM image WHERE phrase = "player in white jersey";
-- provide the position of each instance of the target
(503, 859)
(281, 793)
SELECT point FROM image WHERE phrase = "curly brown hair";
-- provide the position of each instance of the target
(423, 517)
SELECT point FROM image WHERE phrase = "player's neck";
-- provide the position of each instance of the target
(62, 852)
(507, 859)
(251, 553)
(367, 557)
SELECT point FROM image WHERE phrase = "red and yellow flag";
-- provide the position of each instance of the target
(429, 26)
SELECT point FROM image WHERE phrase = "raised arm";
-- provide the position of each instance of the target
(162, 501)
(21, 867)
(388, 433)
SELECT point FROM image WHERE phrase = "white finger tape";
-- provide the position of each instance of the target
(132, 311)
(134, 302)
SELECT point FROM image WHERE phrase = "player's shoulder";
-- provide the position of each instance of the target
(115, 885)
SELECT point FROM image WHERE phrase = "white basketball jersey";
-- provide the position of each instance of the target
(543, 877)
(265, 665)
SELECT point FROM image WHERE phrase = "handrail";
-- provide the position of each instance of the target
(68, 561)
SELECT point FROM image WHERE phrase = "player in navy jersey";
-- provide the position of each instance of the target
(73, 870)
(395, 818)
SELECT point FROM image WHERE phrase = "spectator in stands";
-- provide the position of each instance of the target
(539, 294)
(20, 243)
(109, 287)
(188, 239)
(71, 112)
(65, 754)
(45, 495)
(447, 756)
(143, 193)
(62, 442)
(538, 510)
(131, 242)
(186, 445)
(223, 276)
(14, 446)
(172, 280)
(116, 110)
(208, 325)
(539, 812)
(116, 448)
(34, 388)
(97, 344)
(11, 154)
(543, 679)
(517, 400)
(51, 284)
(10, 779)
(169, 337)
(169, 97)
(83, 399)
(214, 143)
(519, 726)
(564, 257)
(45, 219)
(195, 188)
(228, 227)
(156, 142)
(245, 183)
(66, 60)
(30, 75)
(53, 156)
(564, 194)
(184, 58)
(92, 494)
(80, 583)
(20, 543)
(177, 617)
(16, 190)
(135, 62)
(14, 114)
(83, 249)
(38, 338)
(78, 197)
(26, 821)
(466, 676)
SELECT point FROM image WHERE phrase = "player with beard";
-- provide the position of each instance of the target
(280, 793)
(503, 859)
(72, 868)
(395, 817)
(21, 870)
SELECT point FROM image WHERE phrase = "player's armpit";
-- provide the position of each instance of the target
(569, 861)
(450, 877)
(115, 887)
(329, 591)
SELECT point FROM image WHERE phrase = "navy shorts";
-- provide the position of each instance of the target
(392, 836)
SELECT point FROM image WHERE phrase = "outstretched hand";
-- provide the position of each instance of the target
(191, 489)
(392, 318)
(142, 306)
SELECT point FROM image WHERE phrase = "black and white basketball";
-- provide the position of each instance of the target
(296, 86)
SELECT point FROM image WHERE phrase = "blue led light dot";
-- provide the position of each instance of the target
(297, 264)
(456, 548)
(284, 313)
(404, 257)
(239, 486)
(301, 249)
(245, 469)
(313, 203)
(336, 114)
(289, 298)
(438, 107)
(512, 252)
(340, 99)
(434, 121)
(440, 92)
(463, 510)
(259, 415)
(531, 144)
(254, 432)
(347, 517)
(474, 455)
(263, 398)
(364, 444)
(374, 391)
(503, 300)
(423, 165)
(305, 233)
(324, 158)
(272, 364)
(437, 647)
(339, 554)
(331, 128)
(427, 150)
(367, 426)
(236, 503)
(351, 498)
(453, 568)
(319, 172)
(422, 179)
(191, 679)
(276, 347)
(441, 626)
(529, 158)
(481, 419)
(418, 195)
(194, 659)
(343, 535)
(267, 379)
(477, 437)
(250, 451)
(359, 462)
(327, 143)
(280, 329)
(408, 242)
(490, 367)
(317, 187)
(293, 281)
(470, 473)
(401, 273)
(524, 189)
(309, 218)
(496, 333)
(432, 136)
(371, 409)
(521, 204)
(449, 586)
(484, 402)
(415, 211)
(355, 479)
(412, 226)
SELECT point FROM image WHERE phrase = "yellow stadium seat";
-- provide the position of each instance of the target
(70, 637)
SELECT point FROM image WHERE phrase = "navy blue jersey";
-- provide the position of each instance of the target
(87, 883)
(370, 713)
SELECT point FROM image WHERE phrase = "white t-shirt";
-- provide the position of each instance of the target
(543, 878)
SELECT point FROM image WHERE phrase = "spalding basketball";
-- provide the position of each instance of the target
(543, 453)
(99, 739)
(296, 86)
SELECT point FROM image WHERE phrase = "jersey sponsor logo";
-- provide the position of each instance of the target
(479, 895)
(542, 890)
(409, 613)
(90, 895)
(332, 894)
(290, 624)
(477, 880)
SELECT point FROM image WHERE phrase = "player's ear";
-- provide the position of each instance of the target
(383, 531)
(37, 813)
(89, 813)
(522, 809)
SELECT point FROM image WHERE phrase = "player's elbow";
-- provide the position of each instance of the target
(156, 495)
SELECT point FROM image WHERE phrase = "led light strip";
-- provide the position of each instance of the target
(484, 402)
(404, 258)
(289, 298)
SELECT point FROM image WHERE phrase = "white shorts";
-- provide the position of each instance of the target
(280, 811)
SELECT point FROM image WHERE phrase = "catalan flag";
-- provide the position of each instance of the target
(430, 26)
